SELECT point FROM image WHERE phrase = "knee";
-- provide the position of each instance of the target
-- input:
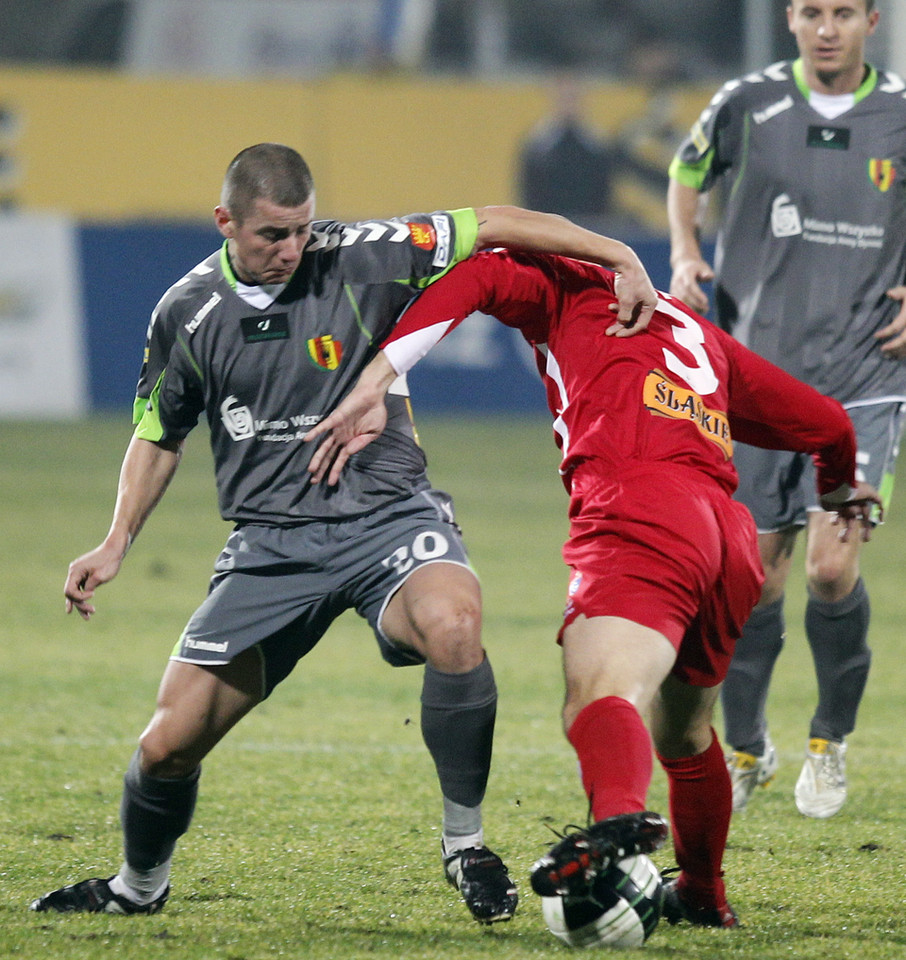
(160, 760)
(673, 743)
(831, 578)
(449, 629)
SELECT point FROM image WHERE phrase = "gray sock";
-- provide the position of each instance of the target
(458, 714)
(154, 814)
(837, 633)
(462, 826)
(745, 690)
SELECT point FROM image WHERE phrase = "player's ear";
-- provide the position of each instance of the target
(224, 221)
(873, 19)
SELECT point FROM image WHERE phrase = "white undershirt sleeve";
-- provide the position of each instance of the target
(406, 351)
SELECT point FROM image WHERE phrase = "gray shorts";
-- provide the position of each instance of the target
(280, 588)
(779, 486)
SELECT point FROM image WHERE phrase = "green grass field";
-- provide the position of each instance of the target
(316, 834)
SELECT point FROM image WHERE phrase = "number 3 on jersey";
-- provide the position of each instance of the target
(426, 546)
(689, 335)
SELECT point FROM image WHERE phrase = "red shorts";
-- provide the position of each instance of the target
(668, 551)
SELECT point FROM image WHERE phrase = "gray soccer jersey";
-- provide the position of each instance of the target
(814, 224)
(265, 370)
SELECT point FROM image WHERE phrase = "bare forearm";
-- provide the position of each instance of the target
(519, 229)
(683, 205)
(536, 232)
(145, 474)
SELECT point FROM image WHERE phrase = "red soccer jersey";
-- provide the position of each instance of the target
(678, 394)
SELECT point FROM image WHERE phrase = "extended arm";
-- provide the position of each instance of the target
(769, 408)
(690, 268)
(144, 476)
(536, 232)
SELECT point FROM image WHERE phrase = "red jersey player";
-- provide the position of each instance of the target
(664, 563)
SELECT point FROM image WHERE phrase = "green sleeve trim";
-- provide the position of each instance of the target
(138, 409)
(149, 427)
(865, 88)
(691, 174)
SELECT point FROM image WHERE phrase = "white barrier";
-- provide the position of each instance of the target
(42, 353)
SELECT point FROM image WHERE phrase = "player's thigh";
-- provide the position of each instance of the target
(776, 552)
(612, 657)
(277, 588)
(413, 583)
(775, 485)
(196, 706)
(707, 647)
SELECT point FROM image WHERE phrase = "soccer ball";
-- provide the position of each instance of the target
(621, 909)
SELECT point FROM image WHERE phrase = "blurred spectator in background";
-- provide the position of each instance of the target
(648, 140)
(567, 165)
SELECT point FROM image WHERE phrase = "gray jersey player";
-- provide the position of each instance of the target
(264, 337)
(810, 159)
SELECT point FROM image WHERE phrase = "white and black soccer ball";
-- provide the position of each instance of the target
(621, 909)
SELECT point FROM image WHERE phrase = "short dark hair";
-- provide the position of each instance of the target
(269, 171)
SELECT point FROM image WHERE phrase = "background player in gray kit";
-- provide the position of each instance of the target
(810, 159)
(265, 337)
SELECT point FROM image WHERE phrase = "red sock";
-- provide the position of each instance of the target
(614, 752)
(701, 802)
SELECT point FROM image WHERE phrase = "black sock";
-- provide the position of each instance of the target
(458, 714)
(745, 690)
(837, 633)
(154, 814)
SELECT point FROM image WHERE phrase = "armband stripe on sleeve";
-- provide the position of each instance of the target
(466, 223)
(691, 174)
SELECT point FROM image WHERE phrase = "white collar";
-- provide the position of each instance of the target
(831, 105)
(260, 296)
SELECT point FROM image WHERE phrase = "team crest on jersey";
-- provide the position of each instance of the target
(664, 398)
(575, 581)
(882, 174)
(325, 351)
(423, 235)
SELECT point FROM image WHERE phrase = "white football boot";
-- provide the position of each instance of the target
(821, 787)
(748, 771)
